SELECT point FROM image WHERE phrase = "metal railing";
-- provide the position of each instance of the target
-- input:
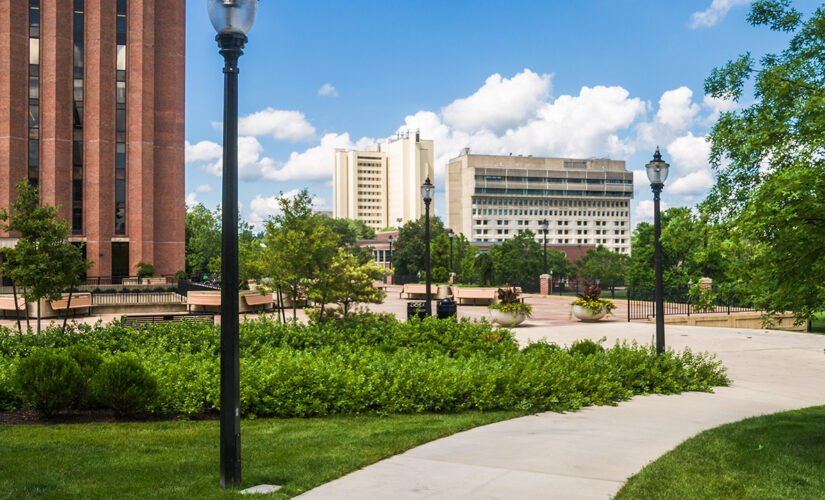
(680, 301)
(122, 299)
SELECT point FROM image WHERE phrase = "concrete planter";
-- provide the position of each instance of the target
(584, 314)
(507, 318)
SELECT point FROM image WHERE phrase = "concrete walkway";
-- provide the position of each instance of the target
(590, 453)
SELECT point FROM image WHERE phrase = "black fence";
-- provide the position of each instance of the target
(680, 301)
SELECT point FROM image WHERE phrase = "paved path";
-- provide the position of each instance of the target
(590, 453)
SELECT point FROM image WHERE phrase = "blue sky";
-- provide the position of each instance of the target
(584, 79)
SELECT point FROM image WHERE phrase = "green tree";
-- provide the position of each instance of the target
(465, 259)
(203, 239)
(558, 264)
(768, 156)
(297, 246)
(518, 259)
(483, 268)
(408, 256)
(603, 265)
(440, 258)
(43, 262)
(346, 281)
(145, 269)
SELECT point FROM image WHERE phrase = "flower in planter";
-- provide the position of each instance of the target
(508, 301)
(592, 301)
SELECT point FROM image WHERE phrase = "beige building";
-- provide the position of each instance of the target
(380, 187)
(586, 202)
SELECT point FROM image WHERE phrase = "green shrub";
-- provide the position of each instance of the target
(124, 385)
(49, 381)
(542, 347)
(585, 347)
(8, 396)
(145, 269)
(89, 360)
(181, 275)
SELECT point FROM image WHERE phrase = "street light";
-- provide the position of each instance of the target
(545, 224)
(389, 257)
(451, 234)
(427, 190)
(232, 20)
(657, 174)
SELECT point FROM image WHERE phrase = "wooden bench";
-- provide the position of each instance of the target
(202, 299)
(485, 295)
(258, 299)
(7, 304)
(415, 291)
(83, 301)
(138, 320)
(379, 285)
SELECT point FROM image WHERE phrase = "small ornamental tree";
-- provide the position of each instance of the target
(43, 263)
(145, 269)
(346, 281)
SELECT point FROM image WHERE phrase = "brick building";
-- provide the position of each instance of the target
(92, 111)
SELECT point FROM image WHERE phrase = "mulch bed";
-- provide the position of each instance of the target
(33, 417)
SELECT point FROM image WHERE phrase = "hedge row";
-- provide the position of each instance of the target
(370, 365)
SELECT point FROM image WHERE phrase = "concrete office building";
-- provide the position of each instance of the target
(92, 112)
(382, 187)
(494, 198)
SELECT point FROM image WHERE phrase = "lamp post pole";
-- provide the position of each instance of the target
(657, 171)
(389, 257)
(427, 190)
(544, 225)
(232, 19)
(451, 234)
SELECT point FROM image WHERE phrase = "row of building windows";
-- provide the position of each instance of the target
(555, 180)
(120, 119)
(34, 93)
(549, 202)
(77, 131)
(565, 213)
(551, 192)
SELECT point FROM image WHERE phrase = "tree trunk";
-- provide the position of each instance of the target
(68, 306)
(38, 316)
(281, 314)
(16, 310)
(294, 304)
(26, 308)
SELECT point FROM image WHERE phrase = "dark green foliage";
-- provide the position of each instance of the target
(541, 346)
(124, 385)
(49, 381)
(410, 247)
(585, 347)
(145, 269)
(181, 275)
(89, 360)
(375, 364)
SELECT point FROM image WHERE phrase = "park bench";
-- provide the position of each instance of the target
(7, 304)
(414, 291)
(138, 320)
(379, 285)
(253, 299)
(80, 301)
(485, 295)
(205, 299)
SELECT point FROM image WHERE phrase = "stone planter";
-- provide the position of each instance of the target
(587, 315)
(507, 318)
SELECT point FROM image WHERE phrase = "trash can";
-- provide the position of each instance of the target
(418, 309)
(446, 308)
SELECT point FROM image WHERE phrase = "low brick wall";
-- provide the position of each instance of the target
(752, 320)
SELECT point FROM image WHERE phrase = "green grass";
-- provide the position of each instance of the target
(180, 459)
(773, 456)
(818, 323)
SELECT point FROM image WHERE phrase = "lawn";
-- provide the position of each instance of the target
(773, 456)
(180, 459)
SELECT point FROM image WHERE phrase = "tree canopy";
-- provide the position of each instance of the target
(408, 256)
(768, 155)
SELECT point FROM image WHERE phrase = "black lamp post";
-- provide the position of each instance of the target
(232, 20)
(389, 257)
(427, 190)
(657, 174)
(451, 234)
(545, 224)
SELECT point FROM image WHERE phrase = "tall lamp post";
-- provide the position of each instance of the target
(232, 20)
(427, 190)
(451, 234)
(389, 257)
(545, 224)
(657, 174)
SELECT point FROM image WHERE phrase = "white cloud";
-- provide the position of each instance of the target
(644, 209)
(191, 199)
(251, 165)
(282, 125)
(694, 183)
(500, 103)
(203, 188)
(316, 162)
(640, 179)
(328, 90)
(676, 109)
(202, 151)
(717, 10)
(263, 207)
(690, 153)
(717, 106)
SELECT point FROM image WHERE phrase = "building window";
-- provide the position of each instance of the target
(34, 93)
(120, 119)
(77, 132)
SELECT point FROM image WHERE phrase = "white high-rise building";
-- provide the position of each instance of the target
(382, 187)
(586, 202)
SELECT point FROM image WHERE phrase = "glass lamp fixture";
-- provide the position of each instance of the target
(545, 224)
(657, 169)
(232, 16)
(427, 190)
(451, 234)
